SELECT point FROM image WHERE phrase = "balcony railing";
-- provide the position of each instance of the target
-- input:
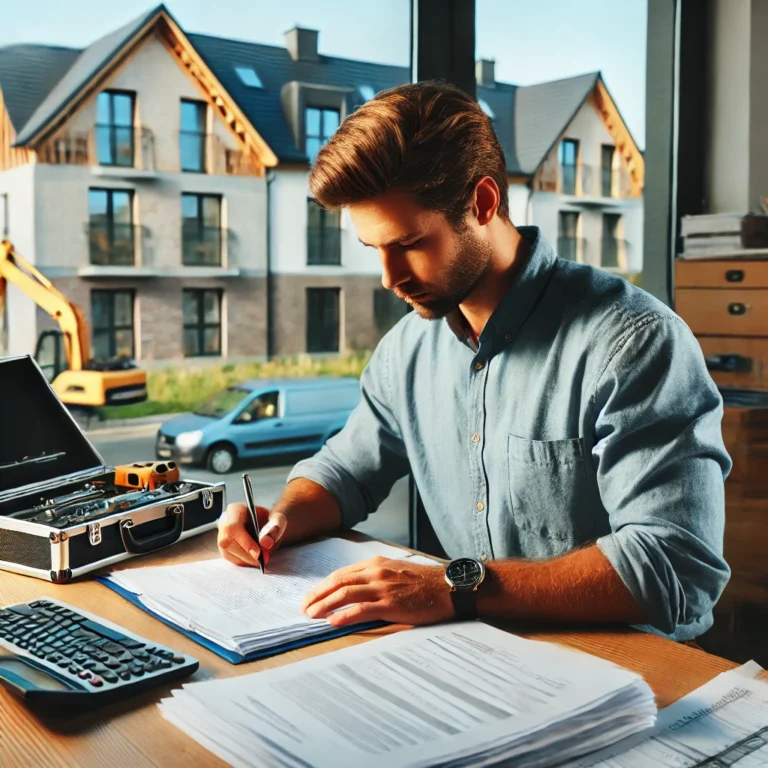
(323, 245)
(202, 246)
(112, 244)
(207, 153)
(614, 252)
(108, 145)
(571, 248)
(585, 181)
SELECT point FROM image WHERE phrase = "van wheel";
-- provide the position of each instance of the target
(221, 459)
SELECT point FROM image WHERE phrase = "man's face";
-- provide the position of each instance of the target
(425, 261)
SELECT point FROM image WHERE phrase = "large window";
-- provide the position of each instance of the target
(323, 319)
(319, 126)
(607, 151)
(202, 322)
(110, 227)
(569, 244)
(192, 136)
(114, 128)
(201, 230)
(569, 156)
(388, 309)
(323, 235)
(112, 319)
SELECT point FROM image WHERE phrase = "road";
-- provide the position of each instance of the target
(124, 445)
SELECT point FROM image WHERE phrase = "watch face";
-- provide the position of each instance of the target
(464, 573)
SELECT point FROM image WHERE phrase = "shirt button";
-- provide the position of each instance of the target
(475, 438)
(483, 557)
(479, 366)
(507, 336)
(480, 506)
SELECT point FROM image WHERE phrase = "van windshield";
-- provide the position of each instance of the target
(222, 402)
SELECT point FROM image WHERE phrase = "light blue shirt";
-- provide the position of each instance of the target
(585, 414)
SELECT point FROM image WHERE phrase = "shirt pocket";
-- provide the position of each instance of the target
(551, 495)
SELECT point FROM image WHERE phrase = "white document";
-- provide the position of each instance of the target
(449, 695)
(241, 608)
(723, 723)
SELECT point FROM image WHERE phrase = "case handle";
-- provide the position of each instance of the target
(734, 275)
(737, 308)
(136, 546)
(729, 363)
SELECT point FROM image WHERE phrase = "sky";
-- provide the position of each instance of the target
(530, 40)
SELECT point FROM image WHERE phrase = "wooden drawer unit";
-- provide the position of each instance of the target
(725, 304)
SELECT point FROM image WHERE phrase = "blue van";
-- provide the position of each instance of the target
(259, 418)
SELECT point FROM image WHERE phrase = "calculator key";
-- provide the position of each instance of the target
(62, 662)
(141, 655)
(137, 669)
(96, 682)
(61, 633)
(68, 652)
(84, 674)
(100, 643)
(110, 677)
(22, 610)
(165, 654)
(124, 674)
(79, 658)
(74, 669)
(46, 649)
(104, 631)
(99, 669)
(113, 648)
(53, 657)
(178, 659)
(130, 643)
(163, 663)
(100, 656)
(89, 649)
(58, 644)
(90, 664)
(39, 653)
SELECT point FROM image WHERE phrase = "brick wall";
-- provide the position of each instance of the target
(290, 311)
(158, 312)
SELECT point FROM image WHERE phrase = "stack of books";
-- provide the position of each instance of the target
(711, 235)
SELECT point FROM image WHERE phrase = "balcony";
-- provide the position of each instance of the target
(571, 248)
(206, 153)
(112, 150)
(323, 246)
(117, 250)
(591, 185)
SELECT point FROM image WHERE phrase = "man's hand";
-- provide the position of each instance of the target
(382, 589)
(237, 546)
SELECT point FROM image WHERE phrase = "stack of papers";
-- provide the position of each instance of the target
(241, 609)
(451, 695)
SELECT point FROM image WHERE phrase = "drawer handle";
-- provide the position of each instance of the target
(737, 308)
(734, 275)
(729, 363)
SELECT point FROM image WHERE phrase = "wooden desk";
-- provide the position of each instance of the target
(134, 733)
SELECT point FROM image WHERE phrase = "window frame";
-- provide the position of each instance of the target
(201, 135)
(325, 232)
(112, 328)
(201, 227)
(113, 127)
(608, 169)
(110, 222)
(321, 136)
(200, 325)
(576, 144)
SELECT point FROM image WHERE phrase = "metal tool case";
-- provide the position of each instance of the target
(60, 517)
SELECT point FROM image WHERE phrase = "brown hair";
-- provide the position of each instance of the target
(430, 139)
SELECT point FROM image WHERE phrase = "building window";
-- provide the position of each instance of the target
(607, 151)
(192, 136)
(387, 309)
(202, 322)
(569, 244)
(112, 319)
(612, 246)
(569, 156)
(201, 230)
(319, 126)
(110, 228)
(249, 77)
(4, 223)
(323, 235)
(323, 319)
(114, 128)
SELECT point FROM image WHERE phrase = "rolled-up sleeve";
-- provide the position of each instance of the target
(360, 465)
(661, 466)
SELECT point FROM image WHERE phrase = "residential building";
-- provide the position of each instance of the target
(159, 179)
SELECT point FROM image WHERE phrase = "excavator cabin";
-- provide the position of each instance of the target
(64, 354)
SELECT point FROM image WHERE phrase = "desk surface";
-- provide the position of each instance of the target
(134, 733)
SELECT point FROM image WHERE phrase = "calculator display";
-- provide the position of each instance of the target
(33, 675)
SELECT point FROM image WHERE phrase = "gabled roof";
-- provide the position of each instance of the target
(90, 61)
(27, 75)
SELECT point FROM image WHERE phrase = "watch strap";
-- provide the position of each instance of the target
(464, 603)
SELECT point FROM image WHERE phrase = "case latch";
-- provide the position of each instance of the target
(207, 498)
(94, 533)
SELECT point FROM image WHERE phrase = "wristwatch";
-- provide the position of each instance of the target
(464, 576)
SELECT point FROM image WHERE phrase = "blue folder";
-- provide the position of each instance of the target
(232, 656)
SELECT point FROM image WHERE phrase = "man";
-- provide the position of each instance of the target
(560, 424)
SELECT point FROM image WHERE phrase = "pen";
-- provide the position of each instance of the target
(252, 526)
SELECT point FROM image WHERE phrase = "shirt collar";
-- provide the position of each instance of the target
(522, 296)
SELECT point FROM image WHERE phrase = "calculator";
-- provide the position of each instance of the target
(59, 657)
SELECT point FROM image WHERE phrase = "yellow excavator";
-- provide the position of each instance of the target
(64, 354)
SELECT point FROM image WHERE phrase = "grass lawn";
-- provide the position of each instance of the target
(177, 390)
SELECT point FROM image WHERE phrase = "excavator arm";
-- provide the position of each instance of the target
(17, 270)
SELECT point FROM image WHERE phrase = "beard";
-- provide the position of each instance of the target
(462, 275)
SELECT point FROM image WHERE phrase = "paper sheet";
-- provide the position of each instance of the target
(462, 694)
